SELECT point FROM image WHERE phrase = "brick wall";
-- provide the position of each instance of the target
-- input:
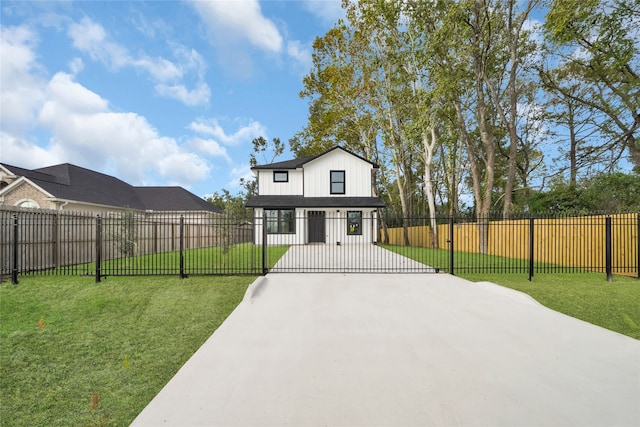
(27, 191)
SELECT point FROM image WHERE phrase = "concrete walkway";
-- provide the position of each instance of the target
(363, 258)
(400, 350)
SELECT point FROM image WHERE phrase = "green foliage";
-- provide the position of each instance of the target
(262, 146)
(106, 349)
(233, 206)
(586, 296)
(616, 192)
(126, 233)
(597, 44)
(476, 73)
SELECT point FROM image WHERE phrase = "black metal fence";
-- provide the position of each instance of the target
(169, 243)
(124, 243)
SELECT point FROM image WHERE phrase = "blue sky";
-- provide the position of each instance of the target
(156, 92)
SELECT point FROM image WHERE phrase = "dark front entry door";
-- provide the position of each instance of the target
(316, 226)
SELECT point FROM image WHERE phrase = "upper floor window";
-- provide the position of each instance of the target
(280, 176)
(337, 182)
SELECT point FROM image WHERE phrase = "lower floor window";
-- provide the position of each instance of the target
(354, 222)
(281, 221)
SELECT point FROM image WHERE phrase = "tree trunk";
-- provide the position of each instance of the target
(573, 171)
(429, 146)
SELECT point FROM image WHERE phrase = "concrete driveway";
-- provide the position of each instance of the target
(363, 258)
(400, 350)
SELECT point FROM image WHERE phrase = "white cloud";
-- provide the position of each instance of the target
(301, 54)
(72, 96)
(86, 132)
(237, 173)
(327, 10)
(210, 147)
(240, 20)
(22, 153)
(21, 86)
(76, 65)
(91, 38)
(160, 69)
(212, 128)
(199, 95)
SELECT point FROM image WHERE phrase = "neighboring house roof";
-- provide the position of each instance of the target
(73, 183)
(298, 163)
(271, 202)
(173, 199)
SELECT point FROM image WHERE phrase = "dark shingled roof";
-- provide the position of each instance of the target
(271, 202)
(173, 199)
(74, 183)
(298, 163)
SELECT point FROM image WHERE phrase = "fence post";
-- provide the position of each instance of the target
(531, 247)
(182, 275)
(451, 242)
(608, 248)
(638, 248)
(264, 242)
(98, 248)
(14, 271)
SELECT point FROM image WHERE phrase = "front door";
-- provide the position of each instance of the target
(316, 226)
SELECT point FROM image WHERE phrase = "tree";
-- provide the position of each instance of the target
(262, 146)
(597, 45)
(519, 46)
(605, 192)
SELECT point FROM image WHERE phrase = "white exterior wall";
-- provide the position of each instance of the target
(335, 228)
(266, 186)
(357, 175)
(281, 239)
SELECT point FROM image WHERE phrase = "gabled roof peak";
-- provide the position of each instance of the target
(74, 183)
(298, 163)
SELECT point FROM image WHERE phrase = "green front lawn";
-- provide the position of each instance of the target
(77, 353)
(587, 296)
(244, 258)
(66, 341)
(465, 261)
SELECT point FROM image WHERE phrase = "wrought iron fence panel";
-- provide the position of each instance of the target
(34, 241)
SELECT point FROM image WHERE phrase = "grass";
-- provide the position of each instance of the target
(244, 258)
(470, 261)
(83, 354)
(586, 296)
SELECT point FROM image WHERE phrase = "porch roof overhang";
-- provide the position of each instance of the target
(313, 202)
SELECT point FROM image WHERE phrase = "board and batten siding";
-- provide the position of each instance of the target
(335, 228)
(357, 175)
(267, 187)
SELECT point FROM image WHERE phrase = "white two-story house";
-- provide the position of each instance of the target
(327, 198)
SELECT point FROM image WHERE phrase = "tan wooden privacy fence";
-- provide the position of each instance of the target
(561, 241)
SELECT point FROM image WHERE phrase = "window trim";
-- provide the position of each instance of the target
(358, 228)
(343, 182)
(286, 174)
(279, 221)
(27, 204)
